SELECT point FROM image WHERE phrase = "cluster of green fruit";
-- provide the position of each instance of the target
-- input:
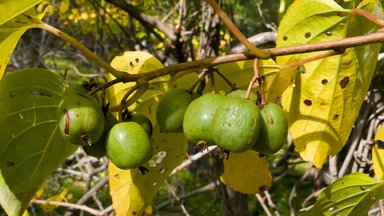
(231, 122)
(83, 122)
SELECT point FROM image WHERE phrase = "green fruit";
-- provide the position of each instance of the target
(98, 149)
(236, 124)
(143, 121)
(81, 120)
(239, 93)
(198, 118)
(274, 129)
(128, 145)
(171, 109)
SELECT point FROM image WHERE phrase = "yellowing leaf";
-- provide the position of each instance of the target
(378, 154)
(325, 100)
(134, 62)
(246, 172)
(57, 198)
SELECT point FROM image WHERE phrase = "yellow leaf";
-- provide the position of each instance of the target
(378, 155)
(57, 198)
(135, 62)
(40, 191)
(324, 102)
(131, 191)
(246, 172)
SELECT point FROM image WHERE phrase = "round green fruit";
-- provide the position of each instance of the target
(98, 149)
(171, 109)
(81, 120)
(128, 145)
(142, 120)
(198, 118)
(274, 129)
(236, 125)
(239, 93)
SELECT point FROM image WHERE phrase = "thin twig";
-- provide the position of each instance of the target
(271, 203)
(68, 205)
(193, 158)
(262, 203)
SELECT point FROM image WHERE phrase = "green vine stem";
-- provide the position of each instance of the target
(118, 74)
(260, 53)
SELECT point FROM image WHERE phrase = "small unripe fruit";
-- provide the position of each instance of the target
(81, 120)
(171, 109)
(274, 129)
(236, 124)
(128, 145)
(98, 149)
(143, 121)
(198, 118)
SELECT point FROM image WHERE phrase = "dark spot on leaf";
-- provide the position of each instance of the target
(323, 103)
(116, 176)
(344, 82)
(307, 35)
(131, 64)
(380, 144)
(285, 38)
(10, 164)
(339, 14)
(324, 81)
(143, 170)
(134, 213)
(362, 188)
(12, 94)
(307, 102)
(335, 117)
(42, 93)
(137, 60)
(328, 33)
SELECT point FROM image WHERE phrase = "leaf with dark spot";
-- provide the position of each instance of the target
(307, 102)
(344, 82)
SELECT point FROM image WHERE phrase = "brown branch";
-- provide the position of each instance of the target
(337, 45)
(148, 21)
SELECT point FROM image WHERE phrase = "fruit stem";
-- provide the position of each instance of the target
(256, 81)
(201, 78)
(260, 53)
(231, 84)
(212, 76)
(120, 75)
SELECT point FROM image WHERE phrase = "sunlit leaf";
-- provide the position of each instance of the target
(10, 33)
(131, 191)
(246, 172)
(324, 101)
(31, 146)
(378, 154)
(353, 194)
(10, 10)
(135, 62)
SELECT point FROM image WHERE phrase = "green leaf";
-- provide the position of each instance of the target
(324, 103)
(353, 194)
(31, 146)
(11, 8)
(10, 33)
